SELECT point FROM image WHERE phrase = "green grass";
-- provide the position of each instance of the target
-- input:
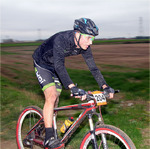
(98, 41)
(133, 83)
(122, 41)
(23, 90)
(20, 44)
(129, 120)
(8, 53)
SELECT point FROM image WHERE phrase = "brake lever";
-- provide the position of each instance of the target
(89, 96)
(107, 95)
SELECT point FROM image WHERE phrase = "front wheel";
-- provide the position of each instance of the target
(116, 138)
(27, 120)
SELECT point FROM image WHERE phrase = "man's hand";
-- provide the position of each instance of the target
(111, 95)
(81, 97)
(110, 91)
(78, 93)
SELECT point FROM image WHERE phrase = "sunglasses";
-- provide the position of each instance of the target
(89, 36)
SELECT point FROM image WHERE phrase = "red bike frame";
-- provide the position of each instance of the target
(88, 110)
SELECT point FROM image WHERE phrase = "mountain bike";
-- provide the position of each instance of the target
(30, 130)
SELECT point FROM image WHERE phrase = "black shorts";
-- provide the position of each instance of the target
(47, 78)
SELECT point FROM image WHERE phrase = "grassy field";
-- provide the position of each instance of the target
(117, 41)
(128, 110)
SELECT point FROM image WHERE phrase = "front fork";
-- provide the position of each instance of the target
(55, 125)
(105, 146)
(92, 130)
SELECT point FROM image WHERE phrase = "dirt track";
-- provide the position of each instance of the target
(128, 55)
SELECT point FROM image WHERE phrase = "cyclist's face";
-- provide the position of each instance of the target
(86, 41)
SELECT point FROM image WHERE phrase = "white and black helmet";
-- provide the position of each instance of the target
(86, 26)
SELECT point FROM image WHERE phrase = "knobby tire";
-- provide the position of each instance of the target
(116, 138)
(28, 118)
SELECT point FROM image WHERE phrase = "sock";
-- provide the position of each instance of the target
(49, 132)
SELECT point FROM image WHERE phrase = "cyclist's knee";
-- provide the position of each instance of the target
(52, 98)
(50, 95)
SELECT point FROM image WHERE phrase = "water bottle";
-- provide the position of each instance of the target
(67, 124)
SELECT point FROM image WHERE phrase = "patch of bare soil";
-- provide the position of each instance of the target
(22, 59)
(127, 55)
(8, 144)
(146, 137)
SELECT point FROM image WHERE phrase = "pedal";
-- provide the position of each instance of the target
(27, 143)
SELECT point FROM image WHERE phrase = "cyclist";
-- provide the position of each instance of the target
(49, 63)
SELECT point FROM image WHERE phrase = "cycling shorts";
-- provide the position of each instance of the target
(47, 78)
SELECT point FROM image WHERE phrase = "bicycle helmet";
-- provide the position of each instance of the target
(86, 26)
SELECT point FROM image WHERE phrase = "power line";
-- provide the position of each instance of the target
(141, 32)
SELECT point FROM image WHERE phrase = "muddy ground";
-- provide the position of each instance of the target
(128, 55)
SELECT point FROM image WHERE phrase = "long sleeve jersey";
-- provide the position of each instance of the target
(51, 55)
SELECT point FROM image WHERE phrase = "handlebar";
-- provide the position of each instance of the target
(91, 97)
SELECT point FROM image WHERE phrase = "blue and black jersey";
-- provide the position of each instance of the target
(51, 55)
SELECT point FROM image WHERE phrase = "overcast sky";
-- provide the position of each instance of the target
(33, 19)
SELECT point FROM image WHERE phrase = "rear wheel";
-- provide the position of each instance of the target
(116, 139)
(28, 118)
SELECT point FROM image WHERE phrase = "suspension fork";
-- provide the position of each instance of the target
(55, 125)
(104, 142)
(103, 136)
(92, 130)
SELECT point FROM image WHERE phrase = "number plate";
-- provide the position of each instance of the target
(100, 98)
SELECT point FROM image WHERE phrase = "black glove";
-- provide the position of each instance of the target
(77, 92)
(108, 90)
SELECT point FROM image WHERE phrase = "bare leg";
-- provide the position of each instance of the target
(48, 110)
(51, 97)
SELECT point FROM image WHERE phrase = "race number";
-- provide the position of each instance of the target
(100, 98)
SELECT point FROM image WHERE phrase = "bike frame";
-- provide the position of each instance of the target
(89, 109)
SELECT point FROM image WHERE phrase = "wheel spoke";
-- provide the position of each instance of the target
(27, 120)
(30, 120)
